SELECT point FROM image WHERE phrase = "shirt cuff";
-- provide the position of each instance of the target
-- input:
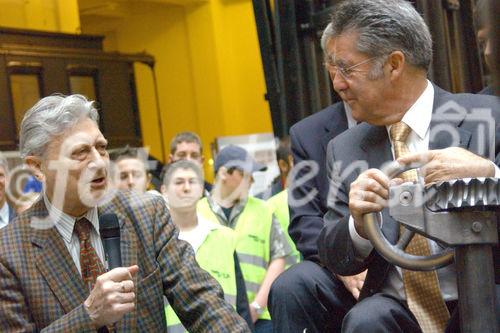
(497, 170)
(362, 246)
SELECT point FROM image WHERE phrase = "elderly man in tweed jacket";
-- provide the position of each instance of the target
(42, 286)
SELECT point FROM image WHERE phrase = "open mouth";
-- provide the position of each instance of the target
(98, 182)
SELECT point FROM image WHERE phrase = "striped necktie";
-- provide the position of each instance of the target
(422, 288)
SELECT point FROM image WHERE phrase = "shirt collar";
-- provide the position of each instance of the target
(66, 223)
(351, 122)
(419, 115)
(4, 213)
(235, 212)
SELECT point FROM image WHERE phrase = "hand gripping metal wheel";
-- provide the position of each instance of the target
(461, 215)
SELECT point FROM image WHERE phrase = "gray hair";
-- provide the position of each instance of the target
(385, 26)
(50, 117)
(326, 36)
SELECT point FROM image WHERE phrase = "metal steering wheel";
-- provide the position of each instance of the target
(395, 254)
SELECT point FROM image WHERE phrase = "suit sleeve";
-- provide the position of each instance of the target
(195, 296)
(336, 249)
(306, 219)
(15, 315)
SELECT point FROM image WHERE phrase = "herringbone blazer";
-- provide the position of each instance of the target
(41, 289)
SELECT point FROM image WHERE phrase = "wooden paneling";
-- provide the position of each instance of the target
(60, 56)
(7, 127)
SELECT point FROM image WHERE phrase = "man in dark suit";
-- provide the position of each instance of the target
(390, 46)
(52, 267)
(7, 213)
(307, 295)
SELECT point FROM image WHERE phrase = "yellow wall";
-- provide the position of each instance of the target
(46, 15)
(208, 67)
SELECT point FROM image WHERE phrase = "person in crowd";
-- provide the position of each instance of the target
(284, 159)
(261, 245)
(213, 243)
(308, 295)
(132, 173)
(52, 268)
(188, 146)
(482, 19)
(7, 213)
(381, 57)
(278, 203)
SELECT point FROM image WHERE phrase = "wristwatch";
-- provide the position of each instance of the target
(258, 309)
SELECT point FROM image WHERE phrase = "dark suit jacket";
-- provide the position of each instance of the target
(309, 139)
(41, 289)
(371, 144)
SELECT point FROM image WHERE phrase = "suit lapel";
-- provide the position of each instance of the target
(447, 119)
(377, 146)
(56, 265)
(334, 126)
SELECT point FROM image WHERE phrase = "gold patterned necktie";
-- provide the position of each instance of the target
(422, 288)
(90, 263)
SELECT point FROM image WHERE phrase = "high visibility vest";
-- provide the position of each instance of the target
(215, 255)
(278, 204)
(253, 232)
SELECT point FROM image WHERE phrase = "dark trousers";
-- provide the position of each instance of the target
(308, 296)
(380, 313)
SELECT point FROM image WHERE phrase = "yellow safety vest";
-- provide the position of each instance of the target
(215, 255)
(253, 232)
(278, 204)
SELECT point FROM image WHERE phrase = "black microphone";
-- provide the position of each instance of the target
(109, 228)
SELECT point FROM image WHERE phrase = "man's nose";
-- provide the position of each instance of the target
(97, 160)
(187, 186)
(338, 81)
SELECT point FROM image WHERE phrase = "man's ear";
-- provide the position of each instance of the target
(149, 177)
(170, 158)
(163, 189)
(397, 62)
(35, 165)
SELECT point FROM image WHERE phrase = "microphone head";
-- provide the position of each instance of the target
(109, 226)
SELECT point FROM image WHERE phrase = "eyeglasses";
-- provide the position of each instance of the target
(345, 72)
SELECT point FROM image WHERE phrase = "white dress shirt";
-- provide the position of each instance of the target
(4, 215)
(65, 224)
(198, 234)
(418, 118)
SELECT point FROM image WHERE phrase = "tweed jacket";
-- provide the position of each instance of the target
(41, 289)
